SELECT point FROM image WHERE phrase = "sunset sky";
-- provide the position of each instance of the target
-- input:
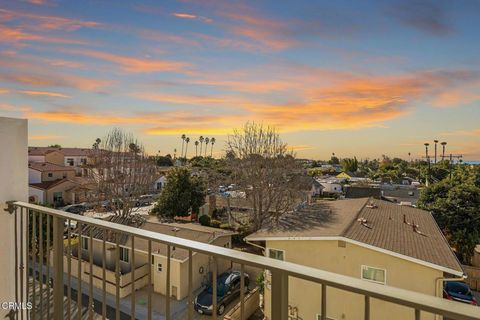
(361, 78)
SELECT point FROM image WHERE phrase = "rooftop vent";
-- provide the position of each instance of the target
(364, 222)
(372, 205)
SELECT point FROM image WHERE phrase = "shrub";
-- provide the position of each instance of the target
(204, 220)
(215, 223)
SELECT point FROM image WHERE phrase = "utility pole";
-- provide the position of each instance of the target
(458, 157)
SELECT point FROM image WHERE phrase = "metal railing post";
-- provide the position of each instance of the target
(58, 225)
(279, 295)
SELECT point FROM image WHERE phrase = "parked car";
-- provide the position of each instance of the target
(459, 291)
(145, 200)
(75, 208)
(228, 289)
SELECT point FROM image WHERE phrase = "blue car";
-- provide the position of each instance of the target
(228, 289)
(459, 291)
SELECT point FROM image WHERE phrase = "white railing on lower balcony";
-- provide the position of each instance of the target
(32, 256)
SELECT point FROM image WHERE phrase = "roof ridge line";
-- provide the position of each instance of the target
(345, 231)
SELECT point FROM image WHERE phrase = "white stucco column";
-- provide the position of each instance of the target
(13, 186)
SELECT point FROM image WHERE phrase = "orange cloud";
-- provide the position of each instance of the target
(45, 137)
(133, 65)
(301, 147)
(245, 22)
(471, 133)
(53, 80)
(44, 93)
(455, 98)
(17, 34)
(184, 99)
(45, 22)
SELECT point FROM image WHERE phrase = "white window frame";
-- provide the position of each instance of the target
(280, 250)
(370, 280)
(127, 251)
(159, 267)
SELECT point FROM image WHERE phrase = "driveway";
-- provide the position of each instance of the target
(177, 307)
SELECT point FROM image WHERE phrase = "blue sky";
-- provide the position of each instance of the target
(361, 78)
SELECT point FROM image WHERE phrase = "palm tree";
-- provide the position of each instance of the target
(207, 139)
(212, 143)
(196, 148)
(426, 144)
(201, 144)
(443, 149)
(183, 141)
(436, 141)
(187, 140)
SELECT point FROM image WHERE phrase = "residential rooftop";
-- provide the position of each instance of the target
(41, 151)
(402, 231)
(47, 166)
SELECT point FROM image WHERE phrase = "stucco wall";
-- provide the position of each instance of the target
(327, 255)
(13, 186)
(34, 176)
(57, 175)
(55, 157)
(37, 194)
(59, 188)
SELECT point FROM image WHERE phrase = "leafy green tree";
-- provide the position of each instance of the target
(350, 165)
(455, 205)
(182, 194)
(55, 146)
(163, 161)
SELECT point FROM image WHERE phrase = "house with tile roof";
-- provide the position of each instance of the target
(56, 184)
(75, 158)
(374, 240)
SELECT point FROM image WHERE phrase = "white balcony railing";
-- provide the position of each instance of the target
(33, 243)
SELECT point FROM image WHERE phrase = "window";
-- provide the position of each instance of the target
(226, 245)
(153, 259)
(85, 243)
(159, 267)
(124, 254)
(50, 174)
(374, 274)
(276, 254)
(83, 161)
(70, 161)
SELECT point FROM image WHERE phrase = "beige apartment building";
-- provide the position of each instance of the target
(373, 240)
(157, 262)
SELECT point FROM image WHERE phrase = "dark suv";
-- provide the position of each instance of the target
(228, 289)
